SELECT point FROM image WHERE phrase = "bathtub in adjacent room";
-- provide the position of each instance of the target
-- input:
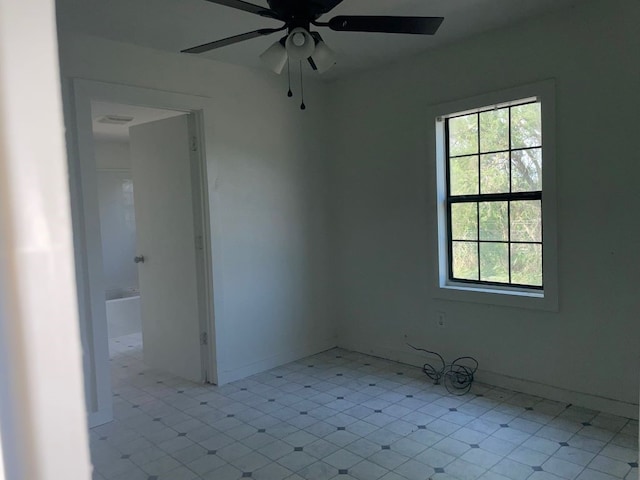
(123, 314)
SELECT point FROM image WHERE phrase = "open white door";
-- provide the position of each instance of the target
(168, 274)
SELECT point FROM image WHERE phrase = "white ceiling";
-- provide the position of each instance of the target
(173, 25)
(106, 131)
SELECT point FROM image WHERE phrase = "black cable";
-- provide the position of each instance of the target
(457, 376)
(289, 93)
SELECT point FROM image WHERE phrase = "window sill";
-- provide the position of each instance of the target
(507, 297)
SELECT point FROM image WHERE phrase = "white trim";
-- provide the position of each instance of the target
(587, 400)
(95, 419)
(210, 236)
(87, 228)
(440, 286)
(204, 260)
(489, 106)
(273, 361)
(531, 387)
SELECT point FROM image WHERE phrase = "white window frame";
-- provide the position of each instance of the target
(447, 289)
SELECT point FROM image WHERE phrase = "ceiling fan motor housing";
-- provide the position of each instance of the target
(299, 13)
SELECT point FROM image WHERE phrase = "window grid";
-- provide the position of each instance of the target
(480, 198)
(506, 150)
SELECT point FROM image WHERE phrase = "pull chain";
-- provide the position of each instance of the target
(289, 93)
(302, 105)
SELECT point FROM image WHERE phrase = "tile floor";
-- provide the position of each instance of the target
(343, 415)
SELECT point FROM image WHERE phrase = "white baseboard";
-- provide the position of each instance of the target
(95, 419)
(587, 400)
(273, 361)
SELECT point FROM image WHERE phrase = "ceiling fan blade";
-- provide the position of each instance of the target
(316, 36)
(385, 24)
(247, 7)
(205, 47)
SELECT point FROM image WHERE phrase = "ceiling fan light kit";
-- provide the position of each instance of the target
(323, 57)
(275, 57)
(301, 43)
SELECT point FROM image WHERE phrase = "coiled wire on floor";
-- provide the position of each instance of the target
(457, 376)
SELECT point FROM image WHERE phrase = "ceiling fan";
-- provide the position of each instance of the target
(300, 43)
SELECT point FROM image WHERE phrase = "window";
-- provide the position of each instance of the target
(496, 212)
(494, 195)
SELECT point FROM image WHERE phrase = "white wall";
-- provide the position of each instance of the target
(267, 197)
(42, 420)
(383, 203)
(117, 217)
(112, 154)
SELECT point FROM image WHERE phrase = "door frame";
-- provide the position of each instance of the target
(88, 241)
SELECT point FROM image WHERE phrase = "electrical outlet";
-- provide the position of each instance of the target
(441, 319)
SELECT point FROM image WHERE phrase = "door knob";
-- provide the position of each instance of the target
(139, 259)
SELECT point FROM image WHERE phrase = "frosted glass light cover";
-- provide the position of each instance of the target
(323, 57)
(303, 51)
(275, 57)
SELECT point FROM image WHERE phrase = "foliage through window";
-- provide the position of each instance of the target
(494, 195)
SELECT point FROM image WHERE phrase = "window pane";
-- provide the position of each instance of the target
(526, 264)
(493, 221)
(465, 260)
(494, 130)
(463, 135)
(464, 175)
(526, 221)
(464, 221)
(526, 126)
(494, 173)
(494, 262)
(526, 170)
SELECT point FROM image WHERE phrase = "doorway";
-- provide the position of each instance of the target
(112, 126)
(140, 195)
